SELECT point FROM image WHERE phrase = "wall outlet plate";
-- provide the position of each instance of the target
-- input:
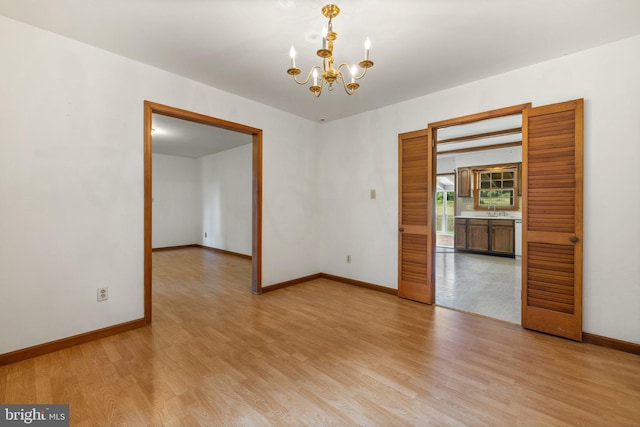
(103, 294)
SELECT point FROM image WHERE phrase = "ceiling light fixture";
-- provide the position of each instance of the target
(330, 75)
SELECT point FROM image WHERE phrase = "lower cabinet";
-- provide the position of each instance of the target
(460, 234)
(478, 235)
(502, 236)
(490, 236)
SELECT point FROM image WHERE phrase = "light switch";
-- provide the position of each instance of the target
(373, 194)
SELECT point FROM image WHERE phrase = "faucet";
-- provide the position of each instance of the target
(494, 210)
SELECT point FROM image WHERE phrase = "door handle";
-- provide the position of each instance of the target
(401, 229)
(573, 238)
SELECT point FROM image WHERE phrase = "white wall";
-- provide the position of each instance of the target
(211, 195)
(226, 196)
(71, 180)
(177, 201)
(71, 183)
(361, 153)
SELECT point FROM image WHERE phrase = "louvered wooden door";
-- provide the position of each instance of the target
(552, 152)
(415, 237)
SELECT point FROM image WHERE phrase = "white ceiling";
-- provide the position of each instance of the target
(419, 46)
(176, 137)
(488, 125)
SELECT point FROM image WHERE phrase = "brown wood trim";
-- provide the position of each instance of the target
(506, 111)
(483, 148)
(330, 277)
(358, 283)
(482, 316)
(178, 113)
(481, 135)
(148, 209)
(291, 282)
(432, 137)
(494, 165)
(256, 258)
(256, 216)
(197, 245)
(627, 347)
(171, 248)
(400, 227)
(50, 347)
(223, 251)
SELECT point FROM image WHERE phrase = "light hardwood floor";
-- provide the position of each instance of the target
(321, 353)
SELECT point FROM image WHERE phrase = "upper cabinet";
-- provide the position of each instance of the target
(480, 141)
(464, 182)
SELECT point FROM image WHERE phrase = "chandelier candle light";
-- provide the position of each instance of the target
(330, 75)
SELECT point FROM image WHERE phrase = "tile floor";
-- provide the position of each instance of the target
(482, 284)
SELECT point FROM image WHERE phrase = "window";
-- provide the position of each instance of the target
(496, 187)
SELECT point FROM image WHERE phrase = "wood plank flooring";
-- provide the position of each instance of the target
(321, 353)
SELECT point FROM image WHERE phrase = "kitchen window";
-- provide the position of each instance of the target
(496, 188)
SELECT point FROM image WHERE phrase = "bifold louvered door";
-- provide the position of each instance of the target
(415, 241)
(552, 159)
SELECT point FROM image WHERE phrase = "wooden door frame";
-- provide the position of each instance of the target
(478, 117)
(256, 247)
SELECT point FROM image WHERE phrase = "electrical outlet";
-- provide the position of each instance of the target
(348, 259)
(205, 234)
(103, 294)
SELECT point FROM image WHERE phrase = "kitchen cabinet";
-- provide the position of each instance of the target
(478, 235)
(502, 236)
(460, 234)
(488, 236)
(464, 182)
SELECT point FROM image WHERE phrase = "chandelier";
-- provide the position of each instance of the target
(330, 75)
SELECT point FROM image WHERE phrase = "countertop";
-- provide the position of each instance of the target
(514, 216)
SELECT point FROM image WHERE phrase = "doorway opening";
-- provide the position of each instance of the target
(479, 271)
(151, 109)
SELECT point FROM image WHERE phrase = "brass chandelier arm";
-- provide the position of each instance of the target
(349, 88)
(295, 74)
(348, 72)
